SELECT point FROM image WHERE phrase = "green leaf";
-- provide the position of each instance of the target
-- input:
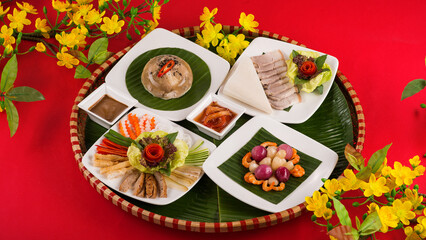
(98, 46)
(298, 81)
(12, 116)
(294, 53)
(354, 157)
(101, 57)
(319, 90)
(9, 73)
(320, 61)
(377, 158)
(1, 41)
(82, 57)
(82, 72)
(370, 225)
(342, 213)
(24, 94)
(172, 137)
(413, 87)
(358, 223)
(364, 174)
(129, 36)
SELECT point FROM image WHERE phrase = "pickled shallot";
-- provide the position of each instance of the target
(272, 166)
(215, 117)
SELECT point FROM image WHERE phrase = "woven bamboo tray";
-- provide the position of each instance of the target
(78, 122)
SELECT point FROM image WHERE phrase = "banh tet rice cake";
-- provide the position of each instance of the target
(244, 84)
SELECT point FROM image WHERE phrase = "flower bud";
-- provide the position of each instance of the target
(355, 204)
(313, 218)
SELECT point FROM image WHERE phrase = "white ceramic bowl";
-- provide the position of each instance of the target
(96, 95)
(237, 109)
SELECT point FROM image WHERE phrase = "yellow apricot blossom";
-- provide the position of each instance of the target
(387, 218)
(156, 11)
(200, 41)
(225, 52)
(67, 39)
(403, 211)
(66, 59)
(212, 33)
(237, 43)
(18, 19)
(40, 47)
(112, 25)
(7, 35)
(403, 174)
(419, 170)
(415, 161)
(3, 11)
(330, 187)
(151, 25)
(349, 181)
(41, 24)
(247, 22)
(376, 187)
(413, 197)
(317, 203)
(61, 6)
(27, 7)
(93, 16)
(207, 16)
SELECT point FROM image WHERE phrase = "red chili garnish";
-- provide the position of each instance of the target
(308, 68)
(153, 152)
(167, 67)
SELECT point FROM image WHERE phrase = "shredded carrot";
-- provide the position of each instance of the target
(152, 123)
(134, 121)
(129, 130)
(145, 118)
(120, 127)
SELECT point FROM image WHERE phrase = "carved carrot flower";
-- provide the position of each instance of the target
(248, 23)
(18, 19)
(66, 59)
(207, 16)
(112, 25)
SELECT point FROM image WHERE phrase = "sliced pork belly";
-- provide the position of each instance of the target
(270, 66)
(271, 73)
(272, 79)
(277, 88)
(286, 102)
(267, 58)
(284, 94)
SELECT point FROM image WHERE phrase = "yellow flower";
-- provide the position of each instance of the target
(402, 174)
(156, 11)
(60, 6)
(225, 52)
(403, 211)
(40, 47)
(18, 19)
(317, 203)
(6, 34)
(66, 59)
(349, 181)
(386, 171)
(80, 36)
(84, 9)
(373, 207)
(212, 33)
(374, 187)
(237, 43)
(112, 25)
(200, 41)
(332, 238)
(67, 39)
(151, 25)
(415, 161)
(420, 170)
(93, 16)
(101, 2)
(388, 218)
(207, 16)
(81, 2)
(330, 187)
(8, 48)
(419, 229)
(328, 213)
(2, 11)
(27, 7)
(248, 23)
(75, 18)
(41, 24)
(413, 197)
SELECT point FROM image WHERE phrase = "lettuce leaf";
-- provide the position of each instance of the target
(313, 83)
(134, 154)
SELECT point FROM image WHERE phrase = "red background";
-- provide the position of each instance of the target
(380, 45)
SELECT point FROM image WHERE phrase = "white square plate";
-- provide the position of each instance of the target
(161, 38)
(114, 183)
(299, 112)
(288, 135)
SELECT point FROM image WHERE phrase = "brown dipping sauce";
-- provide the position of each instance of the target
(107, 108)
(215, 117)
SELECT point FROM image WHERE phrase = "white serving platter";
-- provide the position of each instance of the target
(161, 38)
(288, 135)
(114, 183)
(299, 112)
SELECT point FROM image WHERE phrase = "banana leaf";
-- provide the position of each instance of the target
(200, 85)
(331, 125)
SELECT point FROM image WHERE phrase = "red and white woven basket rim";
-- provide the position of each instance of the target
(242, 225)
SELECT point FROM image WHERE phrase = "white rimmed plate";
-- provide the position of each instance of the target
(299, 112)
(114, 183)
(161, 38)
(295, 139)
